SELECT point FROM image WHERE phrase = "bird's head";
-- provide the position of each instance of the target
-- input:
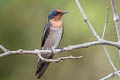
(56, 15)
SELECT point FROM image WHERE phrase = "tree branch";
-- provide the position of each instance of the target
(58, 59)
(109, 75)
(96, 35)
(106, 23)
(68, 48)
(116, 21)
(113, 66)
(36, 52)
(106, 51)
(100, 41)
(87, 21)
(3, 49)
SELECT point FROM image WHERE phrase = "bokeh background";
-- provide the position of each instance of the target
(21, 27)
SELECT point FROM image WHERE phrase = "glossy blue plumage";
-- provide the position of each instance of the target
(51, 14)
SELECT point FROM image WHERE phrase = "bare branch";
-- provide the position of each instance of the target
(58, 59)
(100, 41)
(3, 49)
(87, 21)
(37, 52)
(106, 51)
(95, 34)
(68, 48)
(113, 66)
(116, 21)
(116, 18)
(106, 22)
(109, 75)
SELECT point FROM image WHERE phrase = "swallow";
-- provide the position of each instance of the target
(52, 35)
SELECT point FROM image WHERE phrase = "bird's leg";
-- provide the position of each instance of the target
(52, 51)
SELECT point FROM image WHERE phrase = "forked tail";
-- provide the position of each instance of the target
(41, 67)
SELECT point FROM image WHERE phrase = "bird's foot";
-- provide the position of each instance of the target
(52, 51)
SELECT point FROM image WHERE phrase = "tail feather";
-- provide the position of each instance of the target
(41, 67)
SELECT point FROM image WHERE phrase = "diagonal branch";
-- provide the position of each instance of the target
(113, 66)
(109, 75)
(106, 23)
(87, 21)
(116, 21)
(3, 48)
(116, 18)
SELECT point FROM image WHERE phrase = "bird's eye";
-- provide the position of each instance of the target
(57, 13)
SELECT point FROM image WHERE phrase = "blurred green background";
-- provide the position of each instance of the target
(21, 27)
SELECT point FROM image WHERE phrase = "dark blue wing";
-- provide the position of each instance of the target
(45, 33)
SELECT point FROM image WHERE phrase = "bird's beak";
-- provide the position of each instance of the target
(64, 12)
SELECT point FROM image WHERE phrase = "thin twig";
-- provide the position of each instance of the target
(3, 48)
(113, 66)
(109, 75)
(58, 59)
(106, 23)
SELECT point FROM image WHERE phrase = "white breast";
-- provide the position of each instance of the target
(57, 35)
(54, 37)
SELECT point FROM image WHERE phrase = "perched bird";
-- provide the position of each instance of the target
(51, 38)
